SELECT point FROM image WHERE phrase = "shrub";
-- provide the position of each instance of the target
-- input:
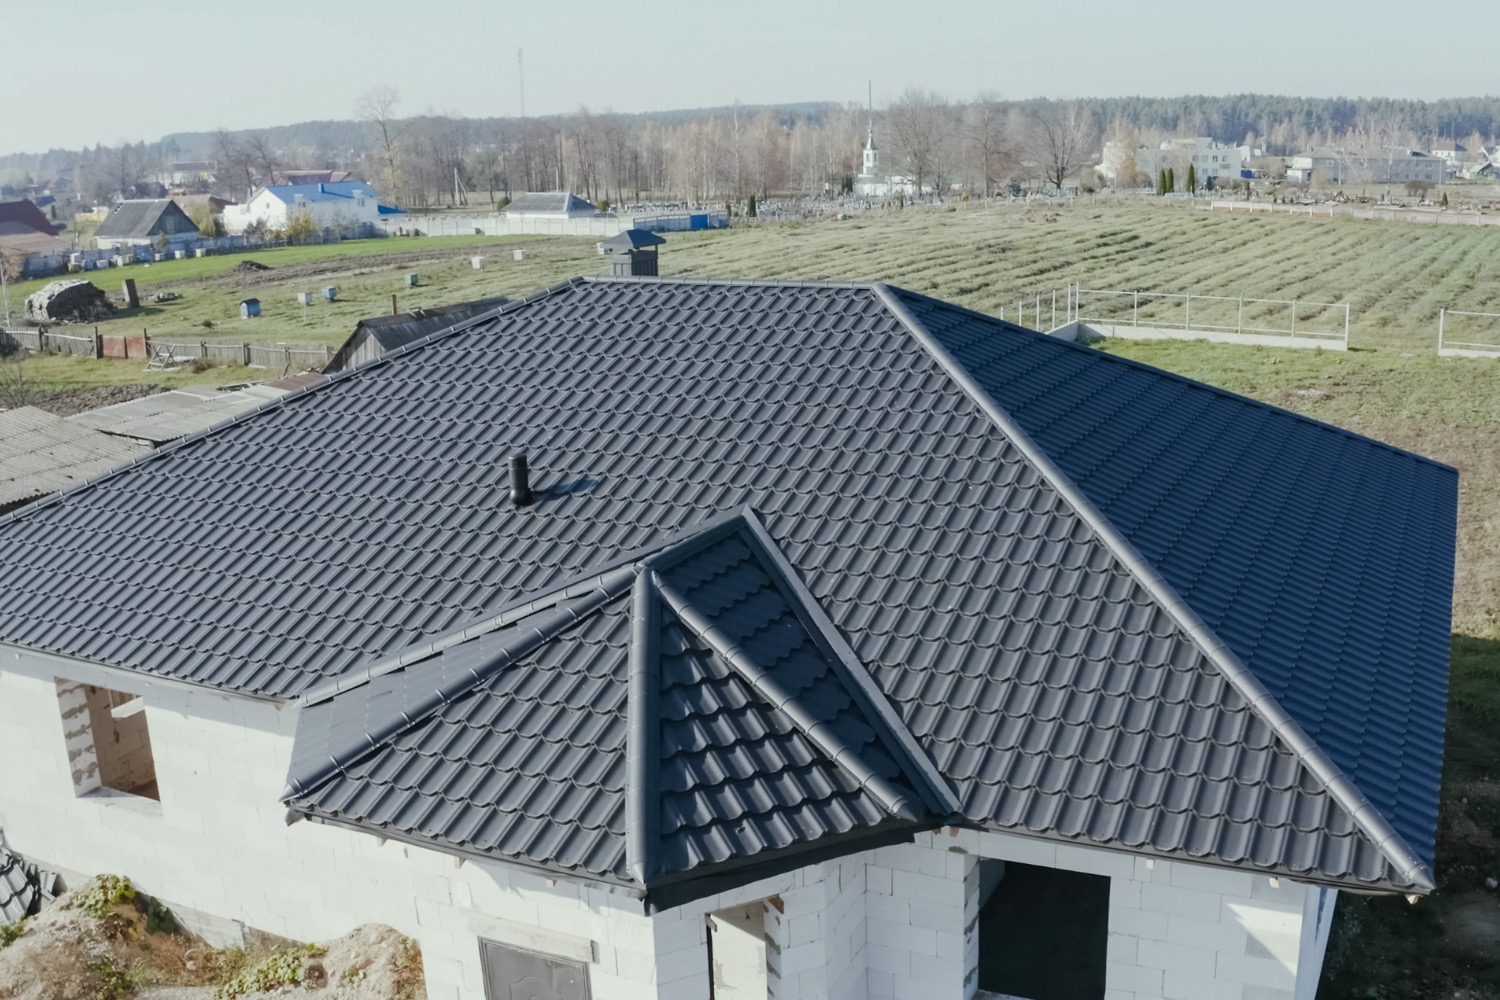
(10, 933)
(113, 981)
(99, 898)
(283, 968)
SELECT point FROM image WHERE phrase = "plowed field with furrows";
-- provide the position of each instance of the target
(1396, 276)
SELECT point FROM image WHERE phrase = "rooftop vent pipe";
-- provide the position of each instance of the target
(520, 482)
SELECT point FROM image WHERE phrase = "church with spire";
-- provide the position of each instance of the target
(872, 182)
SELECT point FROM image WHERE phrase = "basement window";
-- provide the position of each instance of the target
(742, 952)
(108, 740)
(1043, 932)
(516, 974)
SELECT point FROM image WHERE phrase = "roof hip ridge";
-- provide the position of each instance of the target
(403, 719)
(898, 803)
(1365, 816)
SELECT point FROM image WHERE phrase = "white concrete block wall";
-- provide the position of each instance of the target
(915, 920)
(218, 843)
(1180, 931)
(897, 922)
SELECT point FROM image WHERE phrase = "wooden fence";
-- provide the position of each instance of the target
(139, 347)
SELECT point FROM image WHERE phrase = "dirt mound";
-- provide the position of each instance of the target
(248, 267)
(105, 940)
(68, 302)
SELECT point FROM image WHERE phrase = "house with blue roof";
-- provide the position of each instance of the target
(653, 639)
(345, 206)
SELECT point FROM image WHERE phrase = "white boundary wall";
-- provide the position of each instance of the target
(1084, 332)
(898, 922)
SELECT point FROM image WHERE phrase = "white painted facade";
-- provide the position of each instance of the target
(898, 922)
(1206, 156)
(276, 206)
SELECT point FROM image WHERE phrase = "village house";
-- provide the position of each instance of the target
(344, 206)
(27, 235)
(687, 638)
(146, 222)
(1209, 159)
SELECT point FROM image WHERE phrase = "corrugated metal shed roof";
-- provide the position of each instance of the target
(1043, 634)
(325, 191)
(551, 202)
(166, 416)
(390, 332)
(41, 453)
(145, 217)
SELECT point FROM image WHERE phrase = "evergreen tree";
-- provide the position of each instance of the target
(1445, 199)
(1171, 179)
(1161, 181)
(750, 208)
(1192, 178)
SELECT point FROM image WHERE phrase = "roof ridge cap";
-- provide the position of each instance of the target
(1190, 381)
(1365, 816)
(609, 574)
(862, 686)
(374, 737)
(896, 802)
(609, 581)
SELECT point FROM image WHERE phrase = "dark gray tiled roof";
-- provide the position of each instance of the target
(24, 889)
(681, 714)
(1322, 559)
(1048, 632)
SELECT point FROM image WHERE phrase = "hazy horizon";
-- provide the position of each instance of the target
(309, 64)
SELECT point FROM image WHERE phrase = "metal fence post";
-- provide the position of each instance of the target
(247, 355)
(1442, 315)
(1294, 318)
(1054, 309)
(1187, 312)
(1239, 323)
(1135, 312)
(1346, 325)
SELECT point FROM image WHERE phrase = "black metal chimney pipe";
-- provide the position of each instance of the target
(520, 482)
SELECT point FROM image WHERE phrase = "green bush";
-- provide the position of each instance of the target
(284, 968)
(103, 894)
(9, 933)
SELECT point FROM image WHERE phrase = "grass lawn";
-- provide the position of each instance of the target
(1395, 275)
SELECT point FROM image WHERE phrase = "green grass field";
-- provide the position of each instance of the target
(1395, 276)
(1391, 386)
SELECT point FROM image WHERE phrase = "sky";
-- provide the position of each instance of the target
(140, 70)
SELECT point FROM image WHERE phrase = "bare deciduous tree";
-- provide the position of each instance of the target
(987, 139)
(920, 124)
(261, 155)
(1060, 139)
(235, 162)
(377, 109)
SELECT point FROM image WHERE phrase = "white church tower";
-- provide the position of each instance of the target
(869, 182)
